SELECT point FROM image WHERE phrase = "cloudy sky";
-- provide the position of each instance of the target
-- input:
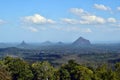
(59, 20)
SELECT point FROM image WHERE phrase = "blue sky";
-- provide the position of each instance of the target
(59, 20)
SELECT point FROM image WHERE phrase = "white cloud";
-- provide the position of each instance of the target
(112, 20)
(116, 25)
(84, 20)
(84, 17)
(69, 21)
(32, 29)
(72, 29)
(77, 11)
(88, 30)
(37, 19)
(88, 18)
(2, 21)
(102, 7)
(118, 8)
(77, 29)
(92, 19)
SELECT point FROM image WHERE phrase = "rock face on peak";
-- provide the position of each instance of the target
(81, 41)
(23, 43)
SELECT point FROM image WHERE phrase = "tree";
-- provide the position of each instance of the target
(64, 74)
(117, 70)
(43, 71)
(4, 74)
(78, 72)
(82, 73)
(104, 73)
(57, 74)
(19, 69)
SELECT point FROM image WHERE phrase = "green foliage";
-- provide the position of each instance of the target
(64, 74)
(78, 72)
(18, 69)
(43, 71)
(117, 70)
(104, 73)
(4, 75)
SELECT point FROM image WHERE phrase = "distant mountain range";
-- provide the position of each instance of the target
(78, 42)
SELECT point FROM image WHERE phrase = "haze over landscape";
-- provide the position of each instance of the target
(59, 40)
(53, 20)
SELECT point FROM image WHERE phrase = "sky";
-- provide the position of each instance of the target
(59, 20)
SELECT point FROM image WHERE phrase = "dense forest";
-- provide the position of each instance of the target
(19, 69)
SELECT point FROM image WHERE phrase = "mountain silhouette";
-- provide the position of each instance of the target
(23, 43)
(81, 41)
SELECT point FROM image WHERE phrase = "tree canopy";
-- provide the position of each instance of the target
(18, 69)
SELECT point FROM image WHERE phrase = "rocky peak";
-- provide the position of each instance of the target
(81, 41)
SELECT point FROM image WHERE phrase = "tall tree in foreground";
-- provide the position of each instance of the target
(19, 69)
(64, 74)
(43, 71)
(78, 72)
(104, 73)
(4, 75)
(117, 70)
